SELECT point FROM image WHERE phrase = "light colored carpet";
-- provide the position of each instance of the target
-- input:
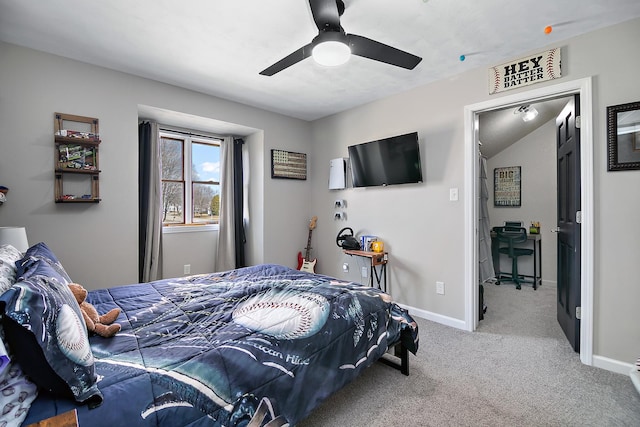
(516, 370)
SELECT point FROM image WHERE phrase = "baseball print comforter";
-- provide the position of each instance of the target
(258, 346)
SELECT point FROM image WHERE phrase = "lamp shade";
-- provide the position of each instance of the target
(14, 236)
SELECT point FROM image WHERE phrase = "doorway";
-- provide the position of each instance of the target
(511, 139)
(583, 87)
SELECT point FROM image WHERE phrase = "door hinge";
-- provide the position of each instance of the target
(578, 122)
(579, 217)
(578, 312)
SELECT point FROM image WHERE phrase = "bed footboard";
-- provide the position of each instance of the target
(399, 359)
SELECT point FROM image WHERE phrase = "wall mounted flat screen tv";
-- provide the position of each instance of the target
(388, 161)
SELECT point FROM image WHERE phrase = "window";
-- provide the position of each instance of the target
(190, 179)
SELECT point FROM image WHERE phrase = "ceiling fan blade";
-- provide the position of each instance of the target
(326, 13)
(286, 62)
(377, 51)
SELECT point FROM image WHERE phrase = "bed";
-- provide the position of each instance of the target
(256, 346)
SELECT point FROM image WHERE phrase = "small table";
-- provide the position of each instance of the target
(377, 258)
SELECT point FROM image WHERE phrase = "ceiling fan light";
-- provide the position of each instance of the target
(331, 53)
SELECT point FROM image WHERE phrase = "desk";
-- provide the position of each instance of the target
(377, 258)
(536, 241)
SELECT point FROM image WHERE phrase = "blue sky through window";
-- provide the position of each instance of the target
(206, 161)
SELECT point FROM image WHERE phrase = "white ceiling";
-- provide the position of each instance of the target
(219, 47)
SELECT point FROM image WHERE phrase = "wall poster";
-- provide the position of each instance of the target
(506, 186)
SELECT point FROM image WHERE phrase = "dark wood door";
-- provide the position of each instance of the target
(568, 169)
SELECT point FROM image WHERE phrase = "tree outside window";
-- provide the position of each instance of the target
(190, 195)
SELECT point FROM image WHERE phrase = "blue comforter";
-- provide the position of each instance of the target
(265, 344)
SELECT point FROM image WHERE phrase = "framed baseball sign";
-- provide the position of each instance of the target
(525, 71)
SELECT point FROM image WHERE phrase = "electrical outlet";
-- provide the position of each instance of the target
(187, 268)
(345, 267)
(440, 288)
(364, 272)
(339, 215)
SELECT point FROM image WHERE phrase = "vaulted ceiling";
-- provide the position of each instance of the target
(501, 128)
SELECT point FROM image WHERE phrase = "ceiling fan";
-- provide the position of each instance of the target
(332, 46)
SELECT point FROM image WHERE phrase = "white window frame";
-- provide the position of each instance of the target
(189, 137)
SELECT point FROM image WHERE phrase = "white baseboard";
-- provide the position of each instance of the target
(434, 317)
(612, 365)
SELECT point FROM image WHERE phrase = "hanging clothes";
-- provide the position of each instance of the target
(485, 259)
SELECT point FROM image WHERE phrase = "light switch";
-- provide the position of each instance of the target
(453, 194)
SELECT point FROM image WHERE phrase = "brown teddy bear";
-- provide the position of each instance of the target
(101, 325)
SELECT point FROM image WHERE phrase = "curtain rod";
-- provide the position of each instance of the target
(188, 132)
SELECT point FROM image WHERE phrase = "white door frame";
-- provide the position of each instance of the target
(583, 87)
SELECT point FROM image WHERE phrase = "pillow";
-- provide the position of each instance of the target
(47, 335)
(39, 251)
(8, 257)
(16, 395)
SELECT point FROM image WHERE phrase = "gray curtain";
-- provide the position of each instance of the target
(238, 201)
(226, 259)
(149, 203)
(484, 231)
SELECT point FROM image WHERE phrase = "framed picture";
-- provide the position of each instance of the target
(506, 186)
(288, 165)
(623, 137)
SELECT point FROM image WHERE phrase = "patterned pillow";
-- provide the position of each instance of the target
(39, 251)
(44, 327)
(8, 257)
(16, 395)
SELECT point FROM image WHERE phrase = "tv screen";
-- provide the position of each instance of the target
(388, 161)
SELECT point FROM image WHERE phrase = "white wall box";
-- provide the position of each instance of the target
(337, 174)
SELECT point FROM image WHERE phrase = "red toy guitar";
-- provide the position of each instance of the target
(305, 264)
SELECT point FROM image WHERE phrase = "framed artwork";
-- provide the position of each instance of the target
(288, 165)
(623, 137)
(507, 186)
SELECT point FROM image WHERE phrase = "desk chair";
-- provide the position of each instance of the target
(513, 236)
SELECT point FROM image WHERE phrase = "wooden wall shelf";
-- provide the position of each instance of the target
(77, 141)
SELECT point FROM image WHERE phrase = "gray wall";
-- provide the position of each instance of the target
(423, 229)
(97, 243)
